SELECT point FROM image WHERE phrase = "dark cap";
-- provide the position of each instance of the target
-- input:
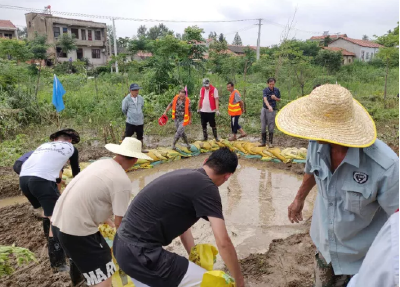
(69, 132)
(134, 87)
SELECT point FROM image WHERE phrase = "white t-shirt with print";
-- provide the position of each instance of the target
(206, 108)
(47, 160)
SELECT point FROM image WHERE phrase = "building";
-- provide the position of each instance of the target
(363, 50)
(348, 57)
(239, 50)
(91, 37)
(321, 39)
(8, 30)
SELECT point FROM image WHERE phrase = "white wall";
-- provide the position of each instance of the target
(356, 49)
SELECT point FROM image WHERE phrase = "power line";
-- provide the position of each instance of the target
(119, 18)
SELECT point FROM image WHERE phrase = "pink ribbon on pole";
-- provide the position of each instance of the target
(186, 91)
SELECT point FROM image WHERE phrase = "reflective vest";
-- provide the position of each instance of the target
(210, 97)
(186, 118)
(234, 109)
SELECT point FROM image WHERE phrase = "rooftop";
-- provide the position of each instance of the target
(344, 51)
(330, 36)
(362, 43)
(7, 24)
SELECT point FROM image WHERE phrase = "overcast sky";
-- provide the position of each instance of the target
(353, 17)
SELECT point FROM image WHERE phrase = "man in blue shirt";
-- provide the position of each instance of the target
(268, 112)
(356, 174)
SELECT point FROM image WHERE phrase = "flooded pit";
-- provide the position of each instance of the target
(12, 200)
(254, 201)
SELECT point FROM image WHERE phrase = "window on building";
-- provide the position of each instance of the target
(97, 35)
(75, 32)
(1, 35)
(83, 34)
(56, 32)
(349, 60)
(96, 53)
(89, 32)
(8, 36)
(367, 57)
(60, 53)
(65, 30)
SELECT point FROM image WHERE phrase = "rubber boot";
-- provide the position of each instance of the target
(263, 140)
(174, 143)
(75, 274)
(205, 135)
(185, 139)
(271, 138)
(214, 130)
(143, 150)
(46, 227)
(56, 255)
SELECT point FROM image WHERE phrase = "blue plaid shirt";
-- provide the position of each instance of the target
(353, 203)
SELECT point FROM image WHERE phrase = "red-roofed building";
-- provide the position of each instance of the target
(8, 29)
(363, 50)
(321, 38)
(348, 57)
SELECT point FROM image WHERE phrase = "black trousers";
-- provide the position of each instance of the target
(131, 129)
(235, 124)
(207, 118)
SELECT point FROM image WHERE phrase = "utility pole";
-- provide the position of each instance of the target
(110, 51)
(258, 39)
(115, 46)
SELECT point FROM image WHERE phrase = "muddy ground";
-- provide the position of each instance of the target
(288, 263)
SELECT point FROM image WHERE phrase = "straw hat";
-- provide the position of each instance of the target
(328, 114)
(129, 147)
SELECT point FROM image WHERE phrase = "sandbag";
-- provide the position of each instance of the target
(217, 278)
(204, 255)
(277, 153)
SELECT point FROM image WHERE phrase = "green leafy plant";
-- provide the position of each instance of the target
(21, 255)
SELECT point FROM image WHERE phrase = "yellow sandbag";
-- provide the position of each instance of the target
(213, 144)
(217, 278)
(206, 145)
(158, 154)
(119, 278)
(220, 143)
(107, 231)
(204, 255)
(142, 161)
(185, 149)
(277, 153)
(249, 147)
(266, 158)
(84, 165)
(67, 172)
(238, 146)
(197, 144)
(293, 153)
(153, 155)
(258, 151)
(303, 152)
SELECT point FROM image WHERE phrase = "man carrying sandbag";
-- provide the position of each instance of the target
(167, 208)
(90, 199)
(182, 116)
(357, 177)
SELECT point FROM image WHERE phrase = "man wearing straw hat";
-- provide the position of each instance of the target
(101, 190)
(356, 174)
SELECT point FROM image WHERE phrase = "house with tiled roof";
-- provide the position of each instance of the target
(322, 38)
(8, 29)
(348, 57)
(364, 50)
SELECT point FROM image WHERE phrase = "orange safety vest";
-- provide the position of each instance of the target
(186, 118)
(234, 109)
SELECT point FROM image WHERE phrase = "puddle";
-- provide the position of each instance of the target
(254, 200)
(12, 200)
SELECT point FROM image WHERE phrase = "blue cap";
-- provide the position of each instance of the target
(134, 87)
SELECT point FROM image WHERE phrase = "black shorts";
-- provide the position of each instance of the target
(207, 118)
(40, 192)
(131, 129)
(91, 254)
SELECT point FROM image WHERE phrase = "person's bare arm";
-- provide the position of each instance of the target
(168, 108)
(267, 104)
(110, 223)
(217, 104)
(241, 105)
(296, 208)
(275, 98)
(226, 249)
(187, 240)
(117, 221)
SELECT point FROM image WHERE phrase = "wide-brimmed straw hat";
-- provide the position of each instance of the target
(69, 132)
(328, 114)
(129, 147)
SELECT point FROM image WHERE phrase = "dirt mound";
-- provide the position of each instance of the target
(20, 227)
(93, 153)
(288, 263)
(9, 182)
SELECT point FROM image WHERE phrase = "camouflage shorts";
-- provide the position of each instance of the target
(324, 275)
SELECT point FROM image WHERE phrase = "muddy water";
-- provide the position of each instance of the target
(255, 201)
(12, 200)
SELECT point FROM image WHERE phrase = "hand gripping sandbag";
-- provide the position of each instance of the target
(204, 255)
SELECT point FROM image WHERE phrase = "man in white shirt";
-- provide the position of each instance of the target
(38, 179)
(208, 107)
(101, 190)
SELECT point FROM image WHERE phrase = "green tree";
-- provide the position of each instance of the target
(193, 36)
(22, 33)
(14, 49)
(193, 33)
(332, 61)
(212, 35)
(138, 44)
(38, 48)
(237, 40)
(141, 31)
(217, 56)
(158, 32)
(389, 54)
(327, 40)
(221, 38)
(67, 43)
